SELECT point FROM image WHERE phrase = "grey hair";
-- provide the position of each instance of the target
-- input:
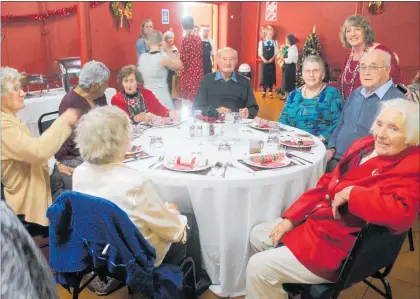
(314, 59)
(357, 21)
(226, 49)
(103, 134)
(155, 37)
(168, 34)
(8, 76)
(93, 72)
(410, 113)
(384, 55)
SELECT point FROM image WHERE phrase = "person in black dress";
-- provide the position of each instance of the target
(208, 50)
(268, 50)
(288, 63)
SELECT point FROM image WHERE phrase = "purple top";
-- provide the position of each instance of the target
(68, 150)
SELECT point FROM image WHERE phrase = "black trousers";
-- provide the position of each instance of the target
(268, 86)
(59, 182)
(178, 251)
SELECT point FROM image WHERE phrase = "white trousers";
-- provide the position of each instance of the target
(271, 267)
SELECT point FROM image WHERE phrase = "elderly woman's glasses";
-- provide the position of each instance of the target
(373, 69)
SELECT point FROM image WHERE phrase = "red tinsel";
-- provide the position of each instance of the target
(62, 12)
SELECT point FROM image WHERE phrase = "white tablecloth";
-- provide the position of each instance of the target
(226, 209)
(46, 102)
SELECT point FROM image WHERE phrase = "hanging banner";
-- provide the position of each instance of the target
(270, 11)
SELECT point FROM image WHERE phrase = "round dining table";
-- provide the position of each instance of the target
(226, 208)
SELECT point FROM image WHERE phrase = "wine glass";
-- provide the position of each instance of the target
(225, 152)
(157, 147)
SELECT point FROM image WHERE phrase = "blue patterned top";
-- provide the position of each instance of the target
(317, 116)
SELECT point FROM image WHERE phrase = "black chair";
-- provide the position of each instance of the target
(43, 125)
(410, 239)
(374, 249)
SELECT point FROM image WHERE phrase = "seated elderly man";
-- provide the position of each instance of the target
(376, 181)
(361, 107)
(103, 137)
(90, 93)
(227, 90)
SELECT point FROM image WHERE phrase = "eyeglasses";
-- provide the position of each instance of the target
(373, 69)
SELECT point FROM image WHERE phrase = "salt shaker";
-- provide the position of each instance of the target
(192, 131)
(211, 129)
(199, 130)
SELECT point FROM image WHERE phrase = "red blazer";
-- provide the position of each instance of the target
(386, 193)
(152, 103)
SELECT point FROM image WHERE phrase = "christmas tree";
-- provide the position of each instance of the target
(311, 47)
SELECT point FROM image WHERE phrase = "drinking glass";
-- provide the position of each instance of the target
(156, 146)
(225, 152)
(273, 141)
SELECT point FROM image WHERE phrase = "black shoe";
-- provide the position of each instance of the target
(203, 284)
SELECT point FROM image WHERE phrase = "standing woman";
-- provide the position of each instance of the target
(288, 63)
(268, 50)
(208, 50)
(192, 59)
(154, 66)
(358, 35)
(169, 48)
(141, 43)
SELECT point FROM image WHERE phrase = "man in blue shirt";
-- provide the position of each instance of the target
(361, 107)
(227, 90)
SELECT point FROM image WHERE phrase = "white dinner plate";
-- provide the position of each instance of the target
(284, 162)
(171, 167)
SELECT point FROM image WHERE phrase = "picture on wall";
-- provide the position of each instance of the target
(270, 11)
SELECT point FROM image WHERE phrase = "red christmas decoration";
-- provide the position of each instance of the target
(62, 12)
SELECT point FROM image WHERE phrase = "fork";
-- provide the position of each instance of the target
(225, 169)
(289, 155)
(156, 162)
(216, 167)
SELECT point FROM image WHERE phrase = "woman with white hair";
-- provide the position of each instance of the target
(377, 181)
(170, 48)
(24, 159)
(90, 93)
(314, 107)
(358, 35)
(154, 66)
(103, 137)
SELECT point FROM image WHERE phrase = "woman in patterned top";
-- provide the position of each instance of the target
(139, 103)
(192, 59)
(315, 107)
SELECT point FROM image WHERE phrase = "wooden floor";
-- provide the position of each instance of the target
(404, 278)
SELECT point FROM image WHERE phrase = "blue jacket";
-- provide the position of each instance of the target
(80, 228)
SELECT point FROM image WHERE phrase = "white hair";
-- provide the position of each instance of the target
(102, 134)
(93, 72)
(410, 113)
(384, 55)
(8, 77)
(168, 34)
(226, 49)
(314, 59)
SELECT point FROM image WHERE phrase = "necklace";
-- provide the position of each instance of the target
(353, 73)
(315, 95)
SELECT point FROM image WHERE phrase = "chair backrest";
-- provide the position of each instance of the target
(375, 248)
(2, 192)
(49, 117)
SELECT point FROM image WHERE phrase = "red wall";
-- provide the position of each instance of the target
(397, 28)
(28, 48)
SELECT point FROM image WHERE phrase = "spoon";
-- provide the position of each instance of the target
(160, 160)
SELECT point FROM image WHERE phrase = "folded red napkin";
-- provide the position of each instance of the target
(134, 149)
(267, 158)
(186, 162)
(299, 141)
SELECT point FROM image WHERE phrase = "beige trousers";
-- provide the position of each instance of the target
(271, 267)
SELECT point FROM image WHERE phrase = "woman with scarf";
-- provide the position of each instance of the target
(139, 103)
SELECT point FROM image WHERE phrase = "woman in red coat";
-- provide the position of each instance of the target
(192, 59)
(358, 35)
(377, 181)
(139, 103)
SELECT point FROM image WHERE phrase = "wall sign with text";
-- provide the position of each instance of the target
(165, 16)
(270, 11)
